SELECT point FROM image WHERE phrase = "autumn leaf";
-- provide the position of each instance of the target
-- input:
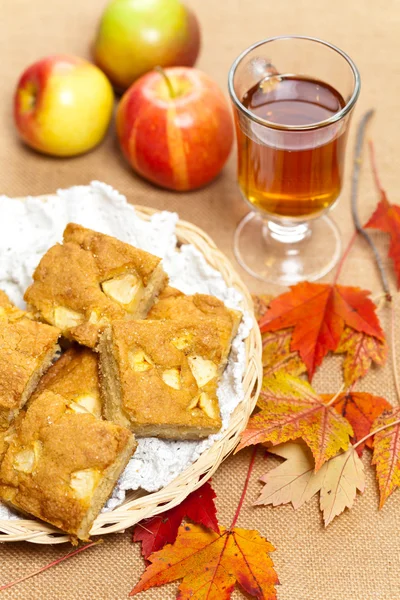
(210, 564)
(296, 482)
(319, 312)
(360, 409)
(361, 350)
(291, 409)
(344, 476)
(277, 356)
(162, 529)
(386, 218)
(260, 303)
(386, 455)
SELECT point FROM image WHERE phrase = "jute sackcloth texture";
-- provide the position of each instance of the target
(358, 556)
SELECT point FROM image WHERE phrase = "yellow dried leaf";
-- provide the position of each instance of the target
(291, 409)
(277, 355)
(361, 350)
(387, 454)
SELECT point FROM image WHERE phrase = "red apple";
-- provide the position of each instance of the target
(63, 105)
(175, 128)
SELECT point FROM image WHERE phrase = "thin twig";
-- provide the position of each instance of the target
(52, 564)
(354, 193)
(336, 396)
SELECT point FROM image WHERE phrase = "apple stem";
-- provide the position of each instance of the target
(167, 81)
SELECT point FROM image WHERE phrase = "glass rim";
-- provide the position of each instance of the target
(333, 119)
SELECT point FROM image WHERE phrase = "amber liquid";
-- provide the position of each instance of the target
(291, 174)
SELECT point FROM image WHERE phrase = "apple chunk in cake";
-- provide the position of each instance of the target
(91, 280)
(61, 466)
(173, 304)
(27, 349)
(160, 377)
(74, 377)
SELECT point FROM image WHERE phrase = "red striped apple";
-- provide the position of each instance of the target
(175, 128)
(63, 105)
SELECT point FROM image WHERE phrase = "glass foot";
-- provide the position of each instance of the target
(286, 255)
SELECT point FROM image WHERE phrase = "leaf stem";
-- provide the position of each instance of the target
(354, 193)
(374, 432)
(52, 564)
(335, 397)
(167, 81)
(344, 257)
(246, 485)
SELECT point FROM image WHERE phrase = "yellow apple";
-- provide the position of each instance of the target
(63, 105)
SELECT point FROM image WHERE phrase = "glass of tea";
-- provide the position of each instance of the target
(293, 98)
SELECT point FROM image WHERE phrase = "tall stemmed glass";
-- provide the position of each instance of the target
(293, 98)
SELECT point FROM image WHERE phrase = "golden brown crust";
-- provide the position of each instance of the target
(111, 255)
(173, 304)
(74, 376)
(61, 466)
(150, 380)
(8, 312)
(26, 351)
(71, 283)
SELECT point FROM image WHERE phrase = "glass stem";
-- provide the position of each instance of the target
(291, 233)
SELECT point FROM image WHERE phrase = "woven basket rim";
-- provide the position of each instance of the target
(139, 505)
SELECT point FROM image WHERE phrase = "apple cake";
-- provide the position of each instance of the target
(74, 377)
(61, 466)
(92, 279)
(160, 377)
(173, 304)
(27, 349)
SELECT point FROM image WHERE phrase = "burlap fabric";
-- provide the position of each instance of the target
(358, 556)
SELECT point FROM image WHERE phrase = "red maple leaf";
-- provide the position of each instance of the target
(162, 529)
(386, 218)
(319, 312)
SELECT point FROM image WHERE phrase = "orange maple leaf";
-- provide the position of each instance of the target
(386, 455)
(360, 409)
(291, 409)
(319, 312)
(210, 564)
(360, 349)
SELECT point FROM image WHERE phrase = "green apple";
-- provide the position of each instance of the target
(134, 36)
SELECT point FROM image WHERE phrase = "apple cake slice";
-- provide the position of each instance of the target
(173, 304)
(160, 377)
(74, 377)
(61, 466)
(27, 349)
(91, 280)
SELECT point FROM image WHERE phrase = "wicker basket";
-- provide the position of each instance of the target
(139, 505)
